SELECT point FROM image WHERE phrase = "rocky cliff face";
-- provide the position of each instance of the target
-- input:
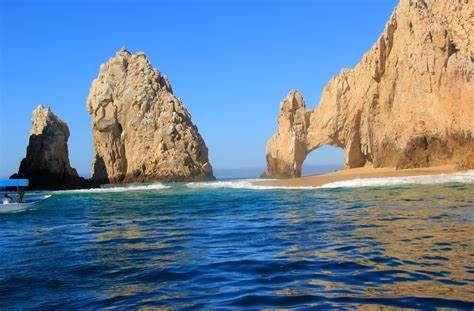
(408, 103)
(141, 131)
(47, 158)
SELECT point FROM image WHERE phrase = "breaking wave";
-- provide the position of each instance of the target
(238, 184)
(133, 187)
(460, 177)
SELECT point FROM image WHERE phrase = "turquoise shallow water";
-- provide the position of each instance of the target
(218, 248)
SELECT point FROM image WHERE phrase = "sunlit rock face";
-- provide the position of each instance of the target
(408, 103)
(46, 164)
(286, 150)
(141, 131)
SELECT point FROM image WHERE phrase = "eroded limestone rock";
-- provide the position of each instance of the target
(289, 142)
(408, 103)
(141, 131)
(47, 158)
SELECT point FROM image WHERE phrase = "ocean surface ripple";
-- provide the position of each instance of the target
(187, 247)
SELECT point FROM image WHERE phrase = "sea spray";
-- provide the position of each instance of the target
(459, 177)
(123, 188)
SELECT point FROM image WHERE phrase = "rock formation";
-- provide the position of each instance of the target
(408, 103)
(47, 158)
(141, 131)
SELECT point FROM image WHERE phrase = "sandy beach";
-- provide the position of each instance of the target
(355, 173)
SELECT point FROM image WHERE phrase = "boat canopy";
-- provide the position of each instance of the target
(4, 183)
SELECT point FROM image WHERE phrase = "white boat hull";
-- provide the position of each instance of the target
(27, 203)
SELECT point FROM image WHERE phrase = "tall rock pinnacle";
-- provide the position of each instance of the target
(47, 158)
(141, 131)
(408, 103)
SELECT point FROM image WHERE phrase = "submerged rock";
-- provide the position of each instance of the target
(408, 103)
(141, 131)
(47, 157)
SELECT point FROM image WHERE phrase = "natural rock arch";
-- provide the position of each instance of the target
(301, 132)
(408, 103)
(323, 159)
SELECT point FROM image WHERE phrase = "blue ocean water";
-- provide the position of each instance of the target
(188, 247)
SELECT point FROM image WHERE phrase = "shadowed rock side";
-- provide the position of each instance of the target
(47, 158)
(141, 131)
(408, 103)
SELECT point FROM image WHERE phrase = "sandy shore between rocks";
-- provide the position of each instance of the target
(355, 173)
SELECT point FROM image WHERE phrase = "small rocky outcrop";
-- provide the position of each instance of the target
(408, 103)
(47, 157)
(141, 131)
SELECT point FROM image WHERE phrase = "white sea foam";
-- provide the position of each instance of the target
(460, 177)
(238, 184)
(154, 186)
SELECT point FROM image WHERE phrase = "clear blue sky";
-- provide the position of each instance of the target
(231, 62)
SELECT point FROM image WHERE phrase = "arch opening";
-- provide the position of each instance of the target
(322, 160)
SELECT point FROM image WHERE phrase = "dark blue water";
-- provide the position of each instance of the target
(184, 248)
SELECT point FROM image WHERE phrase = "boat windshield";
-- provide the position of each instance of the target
(7, 183)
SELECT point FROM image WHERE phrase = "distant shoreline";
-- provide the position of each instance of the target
(355, 173)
